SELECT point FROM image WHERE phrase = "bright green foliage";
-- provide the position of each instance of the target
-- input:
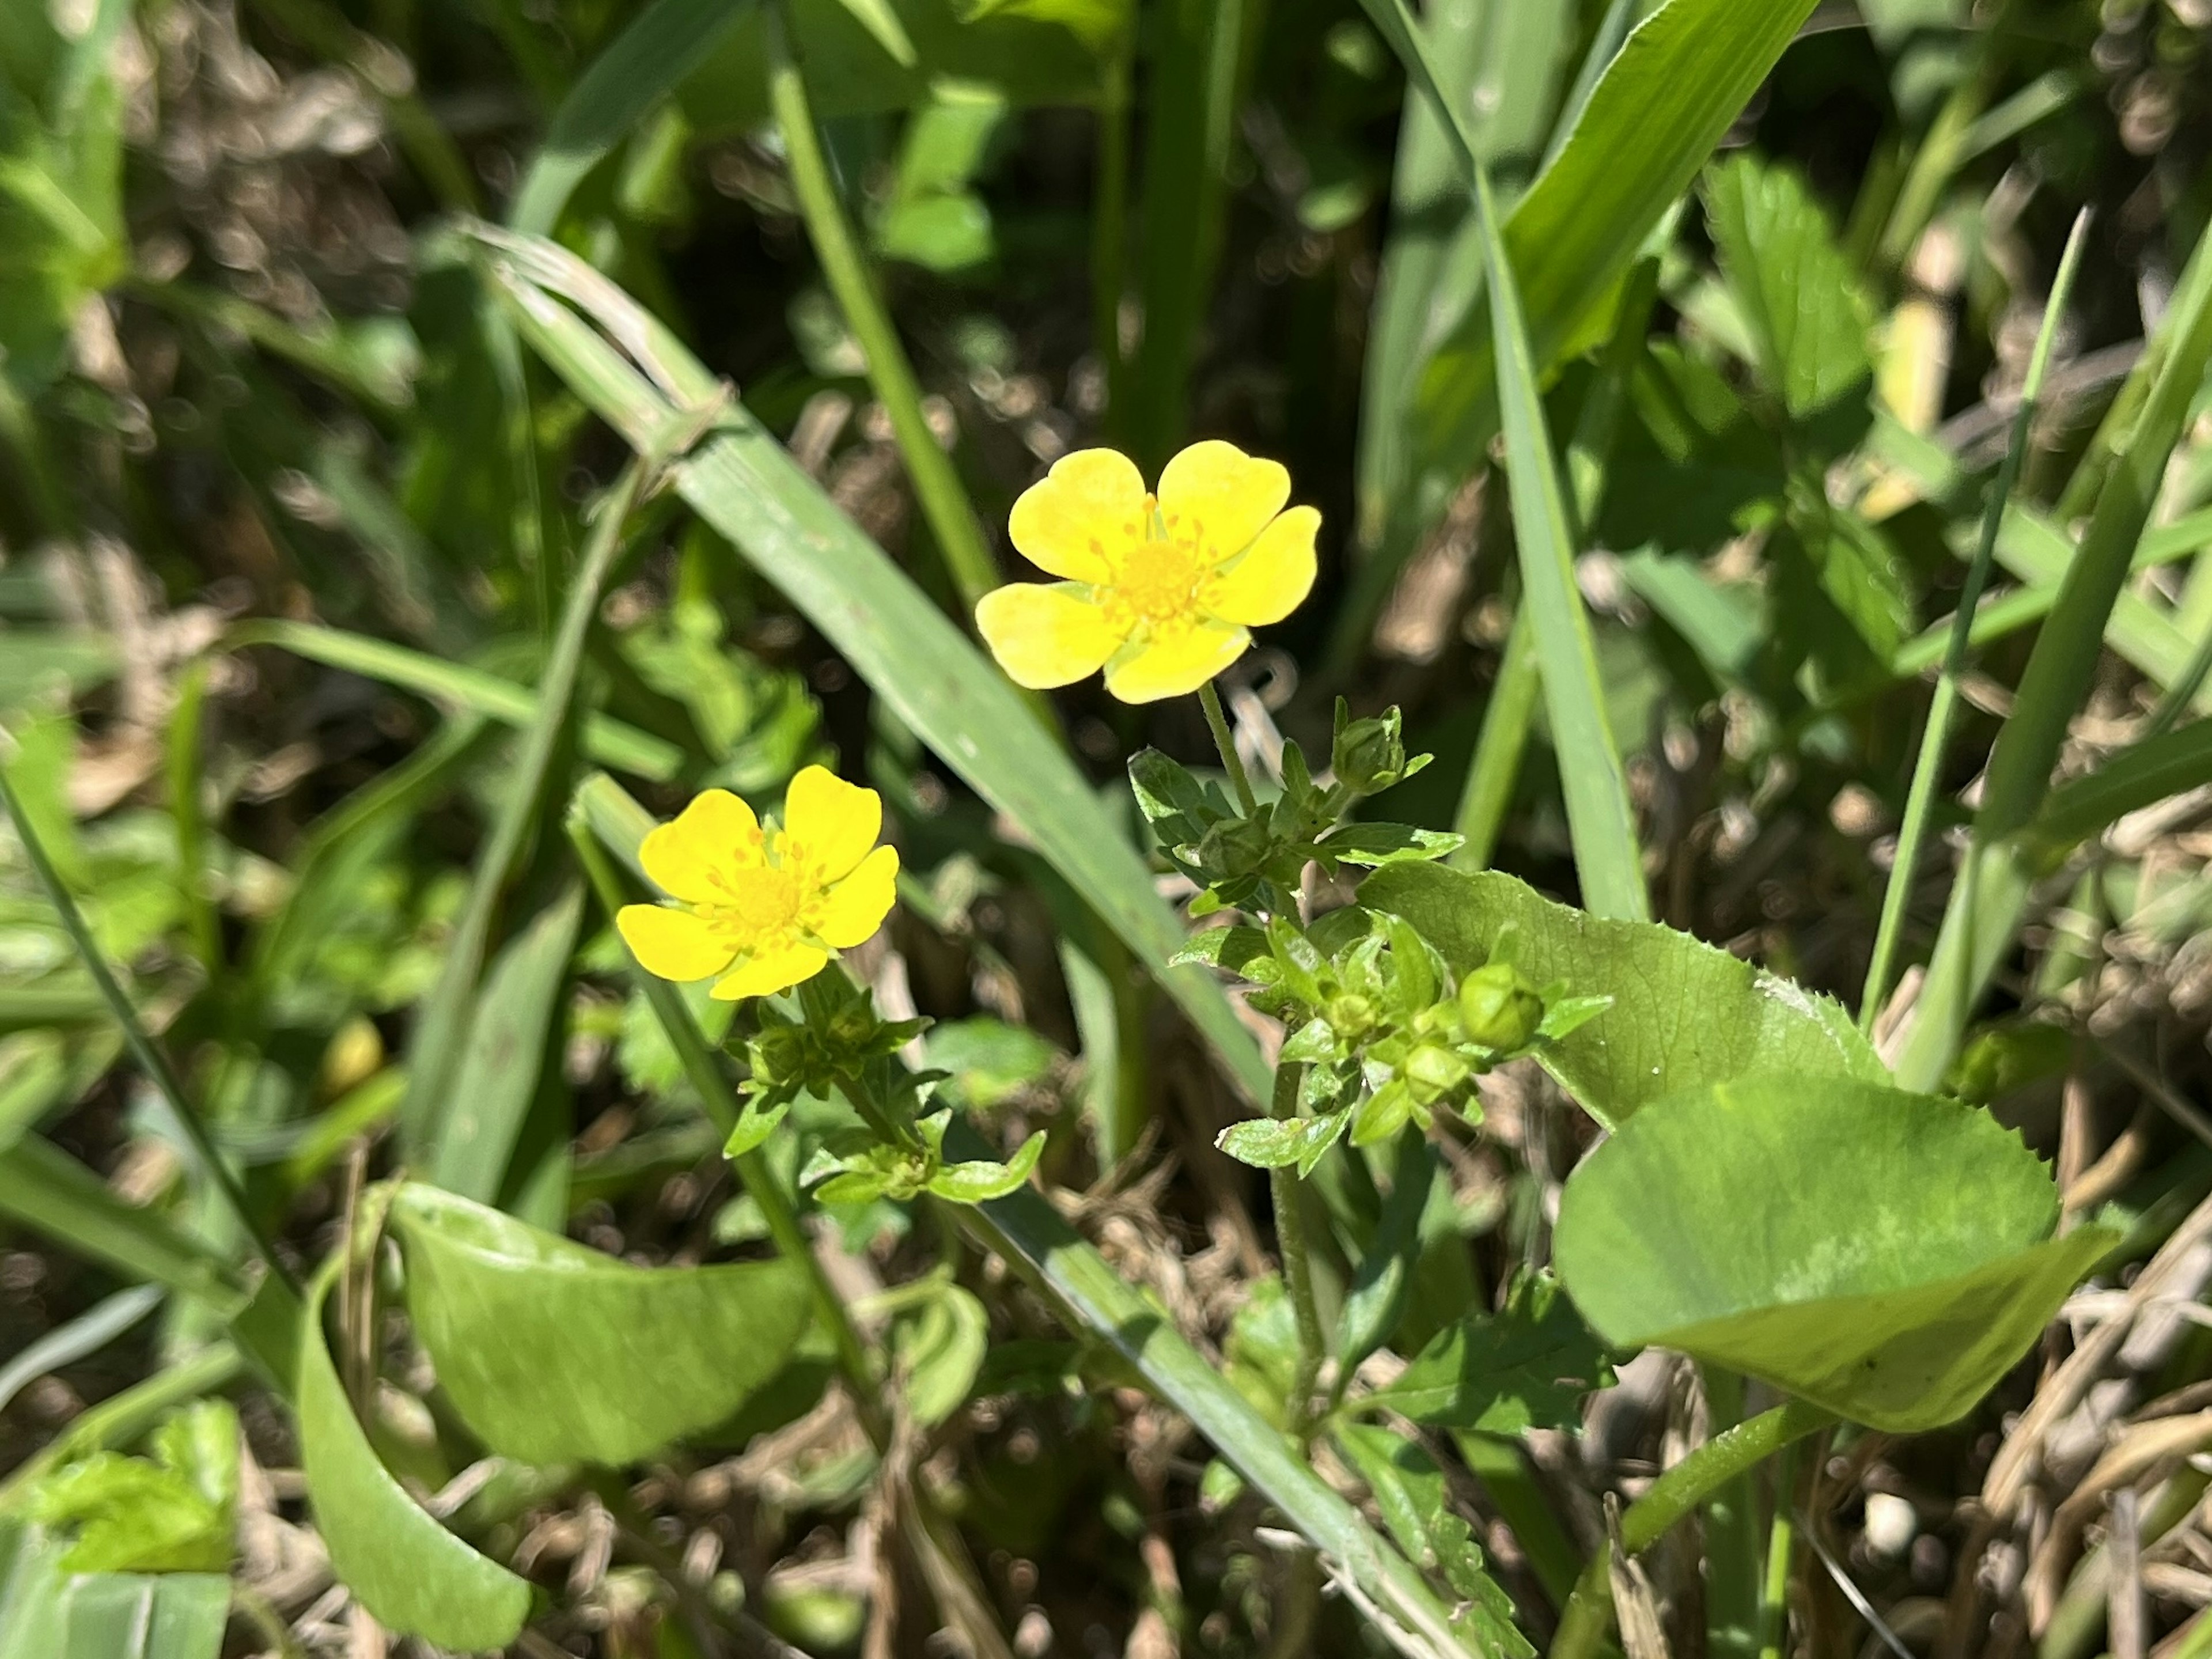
(1886, 1255)
(172, 1513)
(1410, 1490)
(1527, 1366)
(402, 1564)
(546, 1347)
(1684, 1014)
(1798, 295)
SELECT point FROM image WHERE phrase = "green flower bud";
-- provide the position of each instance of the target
(1370, 755)
(1502, 1011)
(1351, 1015)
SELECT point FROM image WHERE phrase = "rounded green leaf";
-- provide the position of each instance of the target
(1684, 1014)
(551, 1351)
(398, 1562)
(1883, 1255)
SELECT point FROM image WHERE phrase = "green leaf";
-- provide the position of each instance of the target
(552, 1352)
(743, 484)
(983, 1179)
(1800, 296)
(400, 1563)
(476, 1132)
(1683, 1015)
(170, 1513)
(1886, 1255)
(1526, 1367)
(1678, 81)
(1376, 1299)
(1411, 1493)
(647, 62)
(1276, 1143)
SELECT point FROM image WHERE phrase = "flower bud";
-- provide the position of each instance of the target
(1234, 846)
(1370, 755)
(1501, 1009)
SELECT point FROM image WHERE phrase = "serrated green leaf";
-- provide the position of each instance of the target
(1683, 1013)
(1526, 1367)
(1800, 297)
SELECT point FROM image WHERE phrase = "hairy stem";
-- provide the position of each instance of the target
(1225, 741)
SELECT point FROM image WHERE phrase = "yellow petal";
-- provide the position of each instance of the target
(1171, 664)
(1221, 497)
(831, 823)
(1269, 578)
(1081, 518)
(766, 972)
(716, 835)
(670, 944)
(858, 904)
(1044, 636)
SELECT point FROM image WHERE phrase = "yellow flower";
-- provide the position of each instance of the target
(759, 908)
(1160, 591)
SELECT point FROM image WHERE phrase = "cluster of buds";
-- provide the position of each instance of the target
(1386, 1036)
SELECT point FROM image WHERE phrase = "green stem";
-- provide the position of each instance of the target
(1589, 1614)
(936, 484)
(1285, 1192)
(712, 1087)
(1928, 766)
(1732, 1552)
(150, 1056)
(1218, 723)
(1781, 1546)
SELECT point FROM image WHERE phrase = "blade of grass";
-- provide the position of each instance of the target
(937, 485)
(1196, 49)
(447, 1015)
(43, 1187)
(1665, 100)
(75, 1339)
(647, 61)
(607, 742)
(185, 777)
(151, 1060)
(1986, 905)
(1487, 795)
(743, 483)
(1928, 768)
(1428, 203)
(1600, 820)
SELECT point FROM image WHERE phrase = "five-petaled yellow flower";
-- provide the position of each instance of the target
(1160, 591)
(758, 910)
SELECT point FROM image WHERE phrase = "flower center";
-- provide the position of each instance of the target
(1158, 580)
(761, 905)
